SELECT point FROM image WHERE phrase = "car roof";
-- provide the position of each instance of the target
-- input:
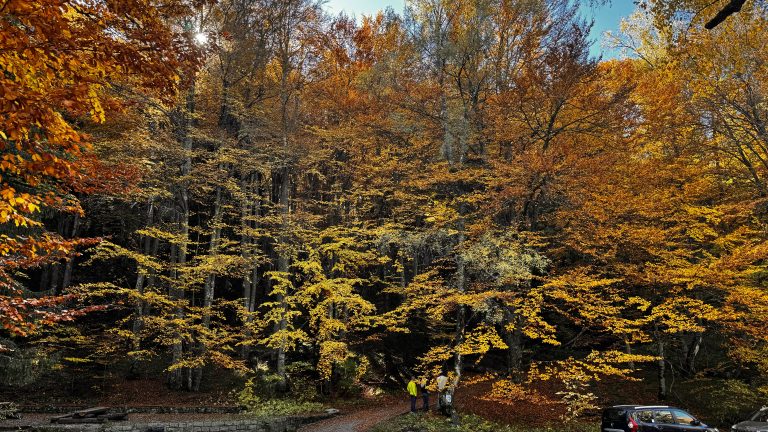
(640, 406)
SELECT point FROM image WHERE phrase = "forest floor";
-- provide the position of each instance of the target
(38, 419)
(357, 415)
(114, 392)
(470, 400)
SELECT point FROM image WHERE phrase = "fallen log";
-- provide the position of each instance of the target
(89, 415)
(90, 412)
(113, 416)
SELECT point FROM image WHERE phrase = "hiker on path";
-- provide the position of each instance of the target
(413, 391)
(442, 390)
(424, 394)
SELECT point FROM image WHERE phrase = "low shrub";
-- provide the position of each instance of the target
(260, 406)
(281, 407)
(24, 366)
(9, 411)
(470, 423)
(722, 402)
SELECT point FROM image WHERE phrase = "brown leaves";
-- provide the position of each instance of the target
(57, 57)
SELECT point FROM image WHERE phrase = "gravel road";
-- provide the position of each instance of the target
(357, 421)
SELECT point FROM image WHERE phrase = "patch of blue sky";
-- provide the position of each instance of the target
(606, 17)
(364, 7)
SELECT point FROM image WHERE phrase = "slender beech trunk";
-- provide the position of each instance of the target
(210, 284)
(628, 350)
(461, 323)
(152, 280)
(693, 352)
(662, 363)
(174, 379)
(403, 279)
(246, 243)
(54, 281)
(45, 278)
(245, 239)
(282, 266)
(446, 149)
(514, 341)
(447, 145)
(138, 319)
(56, 267)
(140, 277)
(284, 196)
(254, 286)
(68, 268)
(177, 376)
(250, 209)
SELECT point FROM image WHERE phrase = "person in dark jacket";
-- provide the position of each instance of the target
(424, 394)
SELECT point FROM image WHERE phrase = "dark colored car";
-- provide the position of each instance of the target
(632, 418)
(758, 422)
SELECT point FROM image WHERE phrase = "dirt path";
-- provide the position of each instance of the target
(358, 421)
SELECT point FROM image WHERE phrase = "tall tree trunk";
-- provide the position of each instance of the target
(693, 352)
(138, 319)
(141, 276)
(460, 319)
(67, 280)
(628, 350)
(446, 149)
(514, 341)
(284, 195)
(56, 267)
(152, 279)
(177, 376)
(45, 278)
(250, 209)
(662, 364)
(282, 266)
(210, 284)
(54, 278)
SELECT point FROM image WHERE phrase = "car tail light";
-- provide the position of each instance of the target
(632, 425)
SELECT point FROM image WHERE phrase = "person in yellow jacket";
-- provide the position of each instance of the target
(413, 391)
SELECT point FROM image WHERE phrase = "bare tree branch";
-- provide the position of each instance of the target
(730, 9)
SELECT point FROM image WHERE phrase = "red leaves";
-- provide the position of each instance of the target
(21, 317)
(57, 59)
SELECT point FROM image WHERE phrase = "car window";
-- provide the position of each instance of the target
(761, 416)
(664, 417)
(683, 418)
(645, 416)
(614, 414)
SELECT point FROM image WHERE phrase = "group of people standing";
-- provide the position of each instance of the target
(422, 387)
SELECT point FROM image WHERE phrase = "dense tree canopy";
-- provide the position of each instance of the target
(59, 60)
(315, 190)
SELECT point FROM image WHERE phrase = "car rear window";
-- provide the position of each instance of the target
(614, 414)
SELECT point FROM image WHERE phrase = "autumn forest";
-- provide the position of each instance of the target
(310, 205)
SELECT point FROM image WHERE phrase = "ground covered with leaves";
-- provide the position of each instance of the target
(470, 423)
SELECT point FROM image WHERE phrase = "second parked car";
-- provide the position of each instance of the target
(638, 418)
(758, 422)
